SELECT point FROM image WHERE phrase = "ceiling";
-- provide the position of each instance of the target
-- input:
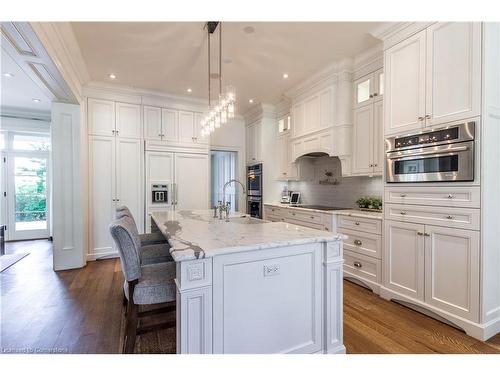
(17, 92)
(172, 56)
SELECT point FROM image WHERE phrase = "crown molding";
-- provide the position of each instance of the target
(61, 45)
(388, 29)
(258, 112)
(25, 113)
(392, 33)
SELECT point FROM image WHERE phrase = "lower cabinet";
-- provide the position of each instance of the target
(436, 265)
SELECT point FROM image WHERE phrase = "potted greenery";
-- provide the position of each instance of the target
(369, 203)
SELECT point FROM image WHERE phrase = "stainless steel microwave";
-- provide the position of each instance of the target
(442, 155)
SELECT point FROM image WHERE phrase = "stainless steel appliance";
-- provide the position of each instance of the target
(254, 180)
(159, 193)
(434, 156)
(254, 206)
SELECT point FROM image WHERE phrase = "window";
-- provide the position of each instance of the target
(284, 124)
(31, 142)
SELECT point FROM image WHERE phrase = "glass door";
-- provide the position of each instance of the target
(28, 213)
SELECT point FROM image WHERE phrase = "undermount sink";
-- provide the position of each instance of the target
(245, 220)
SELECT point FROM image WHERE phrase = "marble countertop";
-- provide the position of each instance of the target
(196, 234)
(347, 212)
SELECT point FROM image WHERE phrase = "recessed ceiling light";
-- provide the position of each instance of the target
(285, 75)
(248, 30)
(112, 76)
(189, 90)
(8, 75)
(250, 101)
(36, 100)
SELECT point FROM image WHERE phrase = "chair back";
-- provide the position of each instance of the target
(124, 211)
(127, 241)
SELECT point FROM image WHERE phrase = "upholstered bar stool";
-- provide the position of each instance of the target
(144, 284)
(154, 247)
(146, 238)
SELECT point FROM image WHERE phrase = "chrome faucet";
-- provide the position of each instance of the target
(226, 206)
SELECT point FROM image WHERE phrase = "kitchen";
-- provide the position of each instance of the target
(370, 169)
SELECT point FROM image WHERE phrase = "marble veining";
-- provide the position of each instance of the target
(196, 234)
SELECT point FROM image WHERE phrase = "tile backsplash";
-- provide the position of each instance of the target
(343, 193)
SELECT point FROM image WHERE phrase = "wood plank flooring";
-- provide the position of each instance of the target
(80, 311)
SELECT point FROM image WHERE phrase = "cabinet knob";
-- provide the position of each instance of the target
(358, 264)
(375, 94)
(117, 132)
(427, 234)
(449, 217)
(358, 243)
(113, 131)
(450, 196)
(312, 217)
(356, 223)
(403, 213)
(420, 233)
(371, 96)
(375, 165)
(427, 116)
(420, 118)
(402, 195)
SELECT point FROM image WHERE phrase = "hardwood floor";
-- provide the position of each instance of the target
(80, 311)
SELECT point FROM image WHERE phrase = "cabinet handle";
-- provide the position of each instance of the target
(403, 213)
(160, 135)
(420, 118)
(327, 229)
(427, 234)
(113, 131)
(427, 116)
(375, 165)
(371, 96)
(375, 94)
(450, 196)
(358, 264)
(420, 233)
(449, 217)
(402, 195)
(356, 223)
(358, 243)
(312, 217)
(117, 132)
(293, 213)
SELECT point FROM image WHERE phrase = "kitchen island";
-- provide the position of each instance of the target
(252, 286)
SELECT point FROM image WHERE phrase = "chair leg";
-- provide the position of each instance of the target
(131, 322)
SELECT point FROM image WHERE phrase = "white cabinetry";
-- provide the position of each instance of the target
(369, 88)
(152, 123)
(313, 113)
(110, 118)
(191, 181)
(287, 169)
(433, 77)
(115, 166)
(169, 125)
(253, 142)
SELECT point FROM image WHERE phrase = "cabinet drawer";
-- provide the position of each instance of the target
(307, 224)
(460, 196)
(361, 266)
(274, 218)
(363, 243)
(310, 217)
(463, 218)
(274, 211)
(360, 224)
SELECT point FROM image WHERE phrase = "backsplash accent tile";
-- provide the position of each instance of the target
(344, 194)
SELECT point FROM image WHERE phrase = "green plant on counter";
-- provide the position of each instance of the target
(373, 203)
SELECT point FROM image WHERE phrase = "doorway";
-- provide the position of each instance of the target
(25, 185)
(224, 168)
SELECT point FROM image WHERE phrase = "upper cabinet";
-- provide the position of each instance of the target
(253, 142)
(170, 125)
(110, 118)
(369, 88)
(433, 77)
(313, 113)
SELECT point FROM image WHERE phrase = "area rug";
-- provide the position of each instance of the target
(8, 260)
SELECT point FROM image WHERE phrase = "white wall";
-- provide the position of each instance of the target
(231, 137)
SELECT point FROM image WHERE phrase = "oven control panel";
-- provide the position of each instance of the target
(424, 138)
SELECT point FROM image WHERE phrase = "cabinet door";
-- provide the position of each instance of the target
(129, 185)
(170, 125)
(404, 258)
(363, 90)
(186, 127)
(326, 105)
(250, 143)
(453, 71)
(199, 138)
(405, 85)
(452, 270)
(378, 137)
(378, 90)
(152, 123)
(298, 119)
(128, 120)
(101, 194)
(191, 182)
(282, 159)
(101, 117)
(311, 114)
(363, 140)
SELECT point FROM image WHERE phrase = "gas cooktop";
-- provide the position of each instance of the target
(318, 207)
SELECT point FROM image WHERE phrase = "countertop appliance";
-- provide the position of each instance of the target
(445, 155)
(254, 190)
